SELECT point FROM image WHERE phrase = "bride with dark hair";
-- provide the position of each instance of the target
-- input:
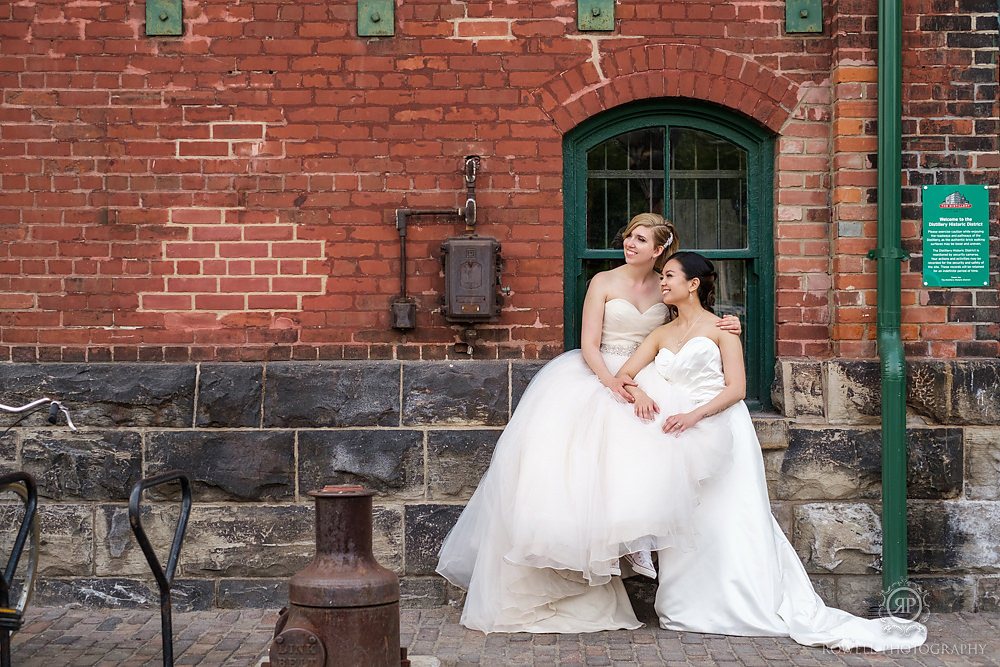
(737, 574)
(541, 544)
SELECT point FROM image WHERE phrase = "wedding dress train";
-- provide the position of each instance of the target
(576, 481)
(743, 577)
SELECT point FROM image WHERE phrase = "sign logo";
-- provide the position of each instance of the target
(955, 200)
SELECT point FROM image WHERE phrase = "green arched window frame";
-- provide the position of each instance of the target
(758, 256)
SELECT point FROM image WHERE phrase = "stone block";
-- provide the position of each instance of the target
(947, 595)
(85, 465)
(387, 536)
(772, 471)
(784, 514)
(122, 394)
(466, 392)
(320, 394)
(239, 541)
(422, 592)
(988, 596)
(840, 538)
(119, 592)
(928, 388)
(934, 463)
(66, 537)
(426, 527)
(842, 463)
(778, 401)
(982, 463)
(859, 594)
(806, 385)
(116, 552)
(457, 460)
(521, 374)
(975, 392)
(227, 465)
(66, 540)
(455, 595)
(854, 394)
(772, 432)
(825, 586)
(8, 451)
(827, 464)
(253, 593)
(953, 537)
(229, 395)
(389, 462)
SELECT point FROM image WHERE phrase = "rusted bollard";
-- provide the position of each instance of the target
(344, 607)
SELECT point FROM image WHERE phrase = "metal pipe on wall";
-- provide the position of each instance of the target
(889, 254)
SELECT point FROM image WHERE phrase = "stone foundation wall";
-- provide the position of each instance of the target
(826, 486)
(255, 438)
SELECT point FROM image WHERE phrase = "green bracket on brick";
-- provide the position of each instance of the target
(595, 14)
(803, 15)
(164, 17)
(376, 18)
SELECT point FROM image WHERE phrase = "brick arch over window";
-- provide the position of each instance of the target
(668, 70)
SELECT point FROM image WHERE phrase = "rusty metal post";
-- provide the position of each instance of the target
(344, 607)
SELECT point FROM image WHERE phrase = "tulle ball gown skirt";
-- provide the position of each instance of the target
(575, 482)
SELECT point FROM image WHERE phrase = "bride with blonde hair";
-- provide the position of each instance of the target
(540, 546)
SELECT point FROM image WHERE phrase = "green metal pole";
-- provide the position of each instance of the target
(889, 255)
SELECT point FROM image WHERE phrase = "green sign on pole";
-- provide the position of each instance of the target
(956, 236)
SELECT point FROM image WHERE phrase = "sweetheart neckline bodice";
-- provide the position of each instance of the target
(625, 326)
(696, 367)
(637, 309)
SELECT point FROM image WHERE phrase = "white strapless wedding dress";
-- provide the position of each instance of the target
(576, 481)
(743, 577)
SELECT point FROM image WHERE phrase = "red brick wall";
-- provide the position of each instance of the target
(230, 194)
(951, 136)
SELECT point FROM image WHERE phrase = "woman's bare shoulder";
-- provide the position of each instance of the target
(602, 279)
(661, 331)
(599, 286)
(707, 327)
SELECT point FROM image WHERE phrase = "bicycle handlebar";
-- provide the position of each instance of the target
(54, 408)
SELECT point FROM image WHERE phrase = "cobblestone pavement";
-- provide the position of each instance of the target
(74, 637)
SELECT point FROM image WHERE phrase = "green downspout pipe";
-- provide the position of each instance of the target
(889, 254)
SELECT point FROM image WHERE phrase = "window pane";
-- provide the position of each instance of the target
(731, 288)
(591, 267)
(624, 178)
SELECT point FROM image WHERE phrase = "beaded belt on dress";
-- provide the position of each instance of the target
(619, 349)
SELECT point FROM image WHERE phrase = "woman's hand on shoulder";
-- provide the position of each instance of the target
(730, 324)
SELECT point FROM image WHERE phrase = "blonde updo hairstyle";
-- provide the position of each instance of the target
(663, 231)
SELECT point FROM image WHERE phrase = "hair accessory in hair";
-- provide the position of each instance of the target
(670, 239)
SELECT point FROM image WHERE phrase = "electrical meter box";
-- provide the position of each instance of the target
(472, 267)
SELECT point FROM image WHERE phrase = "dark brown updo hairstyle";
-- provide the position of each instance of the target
(696, 266)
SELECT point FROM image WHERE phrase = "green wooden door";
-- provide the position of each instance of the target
(708, 171)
